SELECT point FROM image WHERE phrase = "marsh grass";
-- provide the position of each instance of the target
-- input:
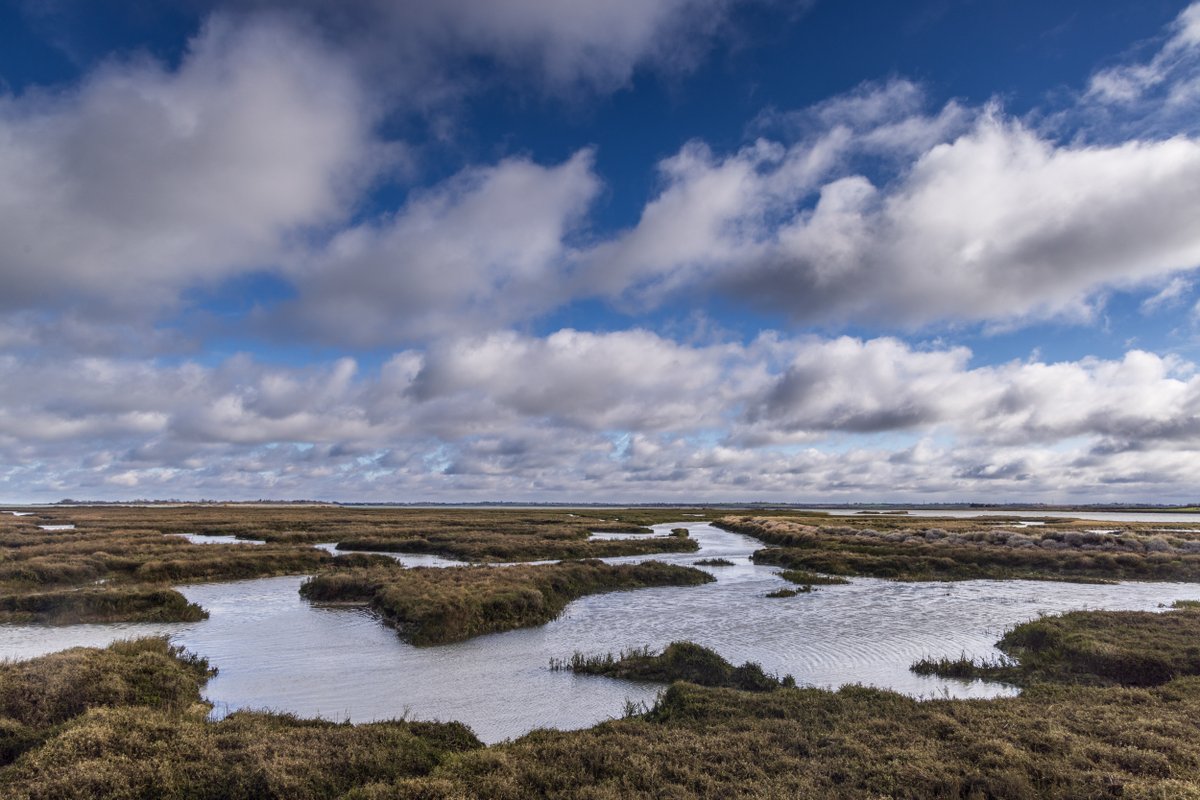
(99, 604)
(713, 562)
(911, 550)
(806, 578)
(434, 606)
(1124, 648)
(679, 661)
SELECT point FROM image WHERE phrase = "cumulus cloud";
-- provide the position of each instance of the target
(144, 180)
(487, 246)
(997, 223)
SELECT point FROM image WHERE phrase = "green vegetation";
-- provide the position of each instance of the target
(1125, 648)
(679, 533)
(434, 606)
(908, 549)
(679, 661)
(713, 562)
(806, 578)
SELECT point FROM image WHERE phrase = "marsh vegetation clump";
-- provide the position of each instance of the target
(785, 592)
(434, 606)
(679, 661)
(1122, 648)
(713, 562)
(907, 549)
(137, 603)
(806, 578)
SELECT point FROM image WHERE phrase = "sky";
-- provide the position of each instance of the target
(600, 250)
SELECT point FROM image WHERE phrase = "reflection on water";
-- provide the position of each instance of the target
(276, 651)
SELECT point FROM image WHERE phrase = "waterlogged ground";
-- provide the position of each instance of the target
(276, 651)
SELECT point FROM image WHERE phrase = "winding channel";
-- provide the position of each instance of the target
(276, 651)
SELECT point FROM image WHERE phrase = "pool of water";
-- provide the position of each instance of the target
(276, 651)
(407, 559)
(204, 538)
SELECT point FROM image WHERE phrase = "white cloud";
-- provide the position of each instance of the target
(487, 246)
(144, 180)
(1176, 60)
(997, 223)
(1170, 295)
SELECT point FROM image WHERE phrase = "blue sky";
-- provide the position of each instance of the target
(636, 250)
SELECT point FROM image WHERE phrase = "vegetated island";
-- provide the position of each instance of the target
(678, 661)
(1111, 648)
(128, 722)
(439, 605)
(909, 549)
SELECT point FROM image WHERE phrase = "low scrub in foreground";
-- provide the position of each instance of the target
(435, 605)
(38, 695)
(127, 722)
(679, 661)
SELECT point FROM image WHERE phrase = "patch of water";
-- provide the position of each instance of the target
(615, 536)
(57, 527)
(407, 559)
(203, 538)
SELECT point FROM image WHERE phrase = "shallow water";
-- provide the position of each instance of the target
(407, 559)
(204, 538)
(276, 651)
